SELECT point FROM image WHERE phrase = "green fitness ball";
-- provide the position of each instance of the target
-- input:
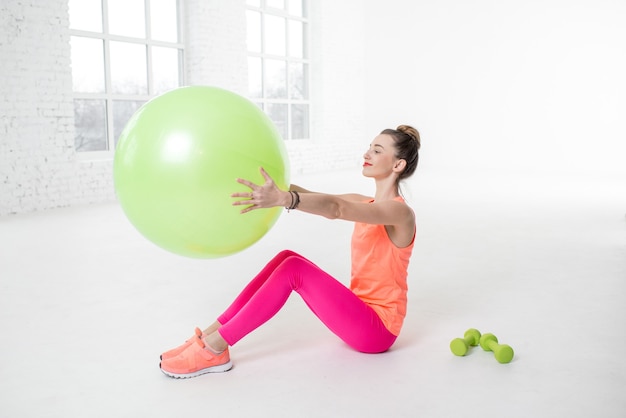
(177, 162)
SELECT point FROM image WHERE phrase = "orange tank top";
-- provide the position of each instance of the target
(379, 273)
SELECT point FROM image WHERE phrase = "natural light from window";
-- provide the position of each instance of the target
(278, 63)
(124, 52)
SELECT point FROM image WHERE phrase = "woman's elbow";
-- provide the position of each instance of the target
(334, 211)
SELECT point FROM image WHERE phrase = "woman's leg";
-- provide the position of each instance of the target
(336, 306)
(250, 290)
(214, 339)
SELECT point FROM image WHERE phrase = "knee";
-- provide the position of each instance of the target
(292, 262)
(280, 257)
(293, 269)
(285, 253)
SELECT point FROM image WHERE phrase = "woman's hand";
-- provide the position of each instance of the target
(266, 195)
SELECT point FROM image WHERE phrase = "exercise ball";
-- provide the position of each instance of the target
(176, 165)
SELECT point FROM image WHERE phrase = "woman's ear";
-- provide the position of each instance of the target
(399, 166)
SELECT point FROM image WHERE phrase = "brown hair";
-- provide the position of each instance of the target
(407, 142)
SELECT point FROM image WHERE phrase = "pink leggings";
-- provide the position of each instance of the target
(335, 305)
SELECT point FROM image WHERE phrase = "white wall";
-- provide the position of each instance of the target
(36, 114)
(536, 85)
(215, 44)
(503, 85)
(338, 91)
(39, 168)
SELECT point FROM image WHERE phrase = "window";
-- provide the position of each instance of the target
(123, 53)
(278, 63)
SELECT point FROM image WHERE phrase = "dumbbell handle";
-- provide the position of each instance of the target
(503, 352)
(470, 339)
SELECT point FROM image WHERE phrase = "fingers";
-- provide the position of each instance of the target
(243, 202)
(249, 205)
(251, 185)
(266, 176)
(247, 183)
(248, 198)
(242, 194)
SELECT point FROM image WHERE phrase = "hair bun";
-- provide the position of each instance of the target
(411, 131)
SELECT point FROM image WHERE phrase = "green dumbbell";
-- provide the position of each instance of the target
(459, 346)
(502, 352)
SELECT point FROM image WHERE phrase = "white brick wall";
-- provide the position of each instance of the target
(338, 89)
(39, 168)
(37, 163)
(215, 38)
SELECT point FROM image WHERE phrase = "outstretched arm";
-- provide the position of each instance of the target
(296, 188)
(347, 207)
(349, 196)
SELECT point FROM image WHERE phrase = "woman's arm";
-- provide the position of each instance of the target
(296, 188)
(347, 207)
(398, 218)
(348, 196)
(390, 212)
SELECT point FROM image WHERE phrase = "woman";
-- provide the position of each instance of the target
(369, 314)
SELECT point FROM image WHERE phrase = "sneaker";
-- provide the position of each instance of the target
(176, 351)
(195, 360)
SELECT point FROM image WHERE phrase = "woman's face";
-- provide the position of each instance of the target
(379, 160)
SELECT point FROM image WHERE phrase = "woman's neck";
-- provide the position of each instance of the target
(386, 189)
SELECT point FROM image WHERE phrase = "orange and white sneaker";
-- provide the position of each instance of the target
(176, 351)
(194, 360)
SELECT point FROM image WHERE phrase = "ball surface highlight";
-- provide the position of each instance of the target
(176, 165)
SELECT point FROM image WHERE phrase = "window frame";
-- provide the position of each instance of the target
(108, 96)
(305, 60)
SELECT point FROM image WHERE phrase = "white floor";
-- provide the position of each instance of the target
(87, 305)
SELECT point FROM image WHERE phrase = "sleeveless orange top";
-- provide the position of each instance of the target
(379, 273)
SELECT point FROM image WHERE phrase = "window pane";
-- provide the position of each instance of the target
(127, 18)
(298, 87)
(253, 31)
(255, 82)
(87, 64)
(278, 114)
(275, 35)
(164, 20)
(128, 68)
(90, 125)
(295, 8)
(86, 15)
(275, 79)
(122, 111)
(164, 69)
(296, 37)
(277, 4)
(299, 121)
(278, 79)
